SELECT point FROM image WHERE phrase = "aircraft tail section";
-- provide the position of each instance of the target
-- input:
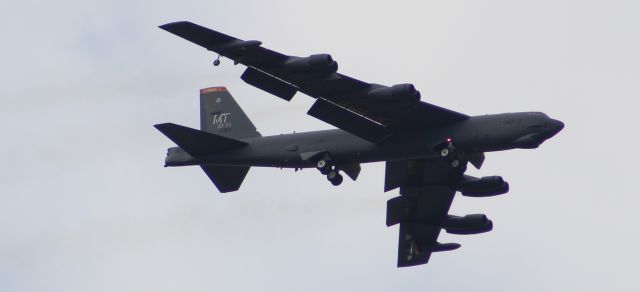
(226, 178)
(223, 124)
(220, 114)
(198, 143)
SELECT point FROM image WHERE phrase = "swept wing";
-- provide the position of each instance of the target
(370, 111)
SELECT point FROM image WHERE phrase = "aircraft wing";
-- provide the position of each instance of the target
(370, 111)
(426, 196)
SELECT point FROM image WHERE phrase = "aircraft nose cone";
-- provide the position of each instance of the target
(555, 127)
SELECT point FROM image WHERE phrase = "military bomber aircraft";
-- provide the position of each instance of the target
(426, 148)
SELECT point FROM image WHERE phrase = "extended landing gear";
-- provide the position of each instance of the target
(448, 152)
(324, 166)
(216, 62)
(332, 173)
(335, 177)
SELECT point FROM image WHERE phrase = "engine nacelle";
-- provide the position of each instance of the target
(321, 63)
(402, 92)
(440, 247)
(483, 187)
(470, 224)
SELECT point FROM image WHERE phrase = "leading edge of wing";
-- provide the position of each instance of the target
(241, 51)
(369, 111)
(197, 34)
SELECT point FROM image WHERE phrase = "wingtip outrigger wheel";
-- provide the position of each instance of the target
(216, 62)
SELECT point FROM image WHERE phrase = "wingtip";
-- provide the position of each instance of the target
(163, 126)
(158, 126)
(170, 25)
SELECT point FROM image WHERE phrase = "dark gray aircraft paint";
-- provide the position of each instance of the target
(426, 148)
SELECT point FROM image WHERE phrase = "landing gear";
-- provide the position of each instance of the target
(327, 168)
(324, 166)
(216, 62)
(449, 153)
(335, 177)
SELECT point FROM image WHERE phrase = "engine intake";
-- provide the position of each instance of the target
(469, 224)
(483, 187)
(320, 63)
(402, 92)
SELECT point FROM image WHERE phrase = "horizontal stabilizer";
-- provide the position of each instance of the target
(198, 143)
(226, 178)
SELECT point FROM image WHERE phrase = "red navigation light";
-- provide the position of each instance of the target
(449, 140)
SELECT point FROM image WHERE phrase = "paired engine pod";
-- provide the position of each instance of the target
(438, 247)
(320, 63)
(469, 224)
(398, 92)
(483, 187)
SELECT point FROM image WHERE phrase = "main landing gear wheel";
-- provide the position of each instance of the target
(335, 178)
(445, 152)
(327, 168)
(324, 166)
(455, 163)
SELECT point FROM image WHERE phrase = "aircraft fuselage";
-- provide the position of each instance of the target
(484, 133)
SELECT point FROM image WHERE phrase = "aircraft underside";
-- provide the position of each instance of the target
(426, 148)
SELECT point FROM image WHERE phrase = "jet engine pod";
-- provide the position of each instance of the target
(320, 63)
(401, 92)
(237, 45)
(438, 247)
(470, 224)
(483, 187)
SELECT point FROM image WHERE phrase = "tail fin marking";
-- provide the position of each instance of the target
(220, 114)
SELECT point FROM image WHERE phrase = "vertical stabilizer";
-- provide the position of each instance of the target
(220, 114)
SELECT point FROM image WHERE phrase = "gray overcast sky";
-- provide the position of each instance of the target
(85, 204)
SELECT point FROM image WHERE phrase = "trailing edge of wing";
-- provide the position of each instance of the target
(348, 121)
(269, 83)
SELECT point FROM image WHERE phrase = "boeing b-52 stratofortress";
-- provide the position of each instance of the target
(426, 148)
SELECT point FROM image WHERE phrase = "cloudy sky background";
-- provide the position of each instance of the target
(85, 204)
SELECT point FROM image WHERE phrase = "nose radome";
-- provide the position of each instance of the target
(555, 126)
